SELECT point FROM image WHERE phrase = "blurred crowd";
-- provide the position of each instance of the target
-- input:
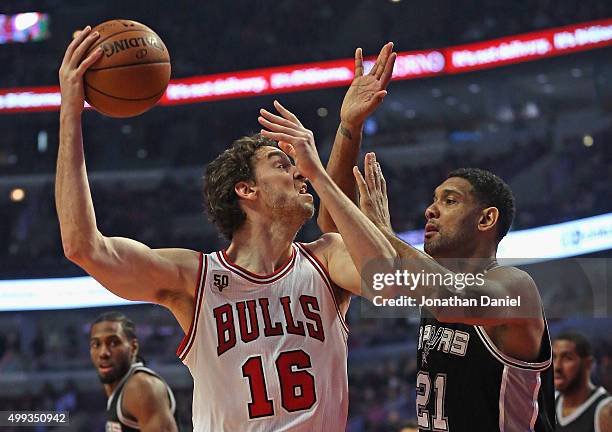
(169, 212)
(258, 34)
(575, 178)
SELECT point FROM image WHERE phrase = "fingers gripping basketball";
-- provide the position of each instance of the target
(133, 71)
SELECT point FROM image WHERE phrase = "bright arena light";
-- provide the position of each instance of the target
(17, 195)
(25, 20)
(587, 140)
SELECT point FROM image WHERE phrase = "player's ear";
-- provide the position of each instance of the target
(488, 218)
(135, 348)
(245, 190)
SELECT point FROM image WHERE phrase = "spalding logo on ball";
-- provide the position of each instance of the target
(133, 72)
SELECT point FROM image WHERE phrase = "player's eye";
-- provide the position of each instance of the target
(450, 201)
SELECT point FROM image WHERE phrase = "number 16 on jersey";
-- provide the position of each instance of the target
(297, 385)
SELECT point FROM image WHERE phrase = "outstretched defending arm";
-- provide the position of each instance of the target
(366, 244)
(518, 330)
(127, 268)
(347, 257)
(364, 95)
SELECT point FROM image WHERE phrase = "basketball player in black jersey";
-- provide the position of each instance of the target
(138, 398)
(579, 405)
(480, 368)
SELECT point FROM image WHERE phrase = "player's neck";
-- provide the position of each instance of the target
(469, 257)
(261, 249)
(575, 398)
(109, 388)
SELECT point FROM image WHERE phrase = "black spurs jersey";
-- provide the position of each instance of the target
(584, 418)
(116, 421)
(465, 384)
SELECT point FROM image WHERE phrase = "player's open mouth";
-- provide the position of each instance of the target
(304, 190)
(105, 369)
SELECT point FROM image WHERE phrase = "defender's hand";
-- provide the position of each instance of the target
(73, 68)
(373, 200)
(293, 138)
(367, 91)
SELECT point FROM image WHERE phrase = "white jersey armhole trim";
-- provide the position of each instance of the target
(123, 419)
(505, 359)
(536, 404)
(326, 280)
(502, 398)
(189, 338)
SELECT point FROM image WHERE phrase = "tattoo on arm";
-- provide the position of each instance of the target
(347, 133)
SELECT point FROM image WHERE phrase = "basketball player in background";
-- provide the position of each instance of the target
(480, 368)
(138, 398)
(265, 338)
(580, 406)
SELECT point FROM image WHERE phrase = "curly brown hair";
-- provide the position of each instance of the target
(234, 165)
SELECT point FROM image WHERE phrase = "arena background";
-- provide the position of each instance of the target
(541, 119)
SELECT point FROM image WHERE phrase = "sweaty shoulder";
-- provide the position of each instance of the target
(324, 246)
(143, 395)
(516, 283)
(604, 419)
(186, 263)
(521, 336)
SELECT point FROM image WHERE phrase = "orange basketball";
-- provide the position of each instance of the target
(133, 72)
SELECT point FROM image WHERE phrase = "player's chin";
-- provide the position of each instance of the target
(106, 378)
(429, 246)
(309, 209)
(559, 383)
(106, 373)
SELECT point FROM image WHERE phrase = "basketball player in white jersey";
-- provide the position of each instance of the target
(265, 338)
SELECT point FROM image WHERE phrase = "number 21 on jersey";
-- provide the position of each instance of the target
(424, 389)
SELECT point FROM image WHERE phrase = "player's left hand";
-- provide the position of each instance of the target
(373, 200)
(293, 138)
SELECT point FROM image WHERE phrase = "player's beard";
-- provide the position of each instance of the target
(292, 210)
(117, 373)
(444, 245)
(576, 382)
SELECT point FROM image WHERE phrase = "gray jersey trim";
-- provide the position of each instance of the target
(131, 423)
(564, 421)
(109, 401)
(505, 359)
(518, 399)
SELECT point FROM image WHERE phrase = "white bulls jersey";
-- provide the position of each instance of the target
(267, 353)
